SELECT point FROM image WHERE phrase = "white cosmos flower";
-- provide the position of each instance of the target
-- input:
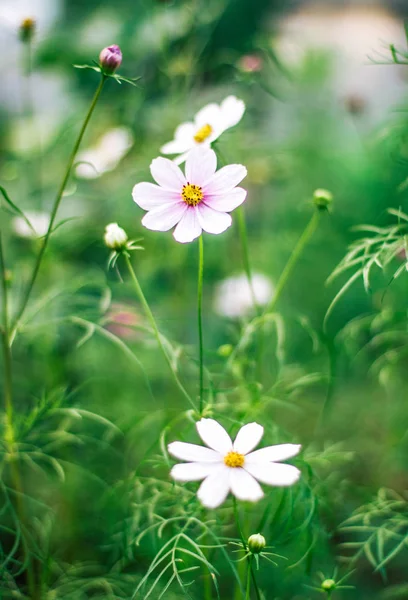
(209, 123)
(39, 220)
(105, 155)
(232, 467)
(196, 201)
(233, 296)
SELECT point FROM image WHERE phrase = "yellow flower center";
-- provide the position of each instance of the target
(203, 133)
(234, 459)
(192, 194)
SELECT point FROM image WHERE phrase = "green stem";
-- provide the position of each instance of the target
(9, 432)
(156, 332)
(245, 546)
(248, 585)
(200, 320)
(54, 211)
(294, 257)
(245, 254)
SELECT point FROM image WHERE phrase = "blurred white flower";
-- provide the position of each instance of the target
(209, 123)
(233, 296)
(39, 221)
(232, 467)
(106, 154)
(44, 13)
(195, 201)
(115, 237)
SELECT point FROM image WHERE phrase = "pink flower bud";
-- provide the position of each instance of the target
(110, 59)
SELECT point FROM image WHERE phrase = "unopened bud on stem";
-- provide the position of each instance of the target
(115, 237)
(328, 585)
(27, 29)
(110, 59)
(256, 543)
(322, 199)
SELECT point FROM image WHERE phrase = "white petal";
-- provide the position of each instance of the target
(149, 195)
(273, 473)
(227, 201)
(189, 227)
(209, 115)
(185, 131)
(193, 471)
(214, 435)
(167, 174)
(164, 217)
(273, 453)
(244, 486)
(225, 179)
(201, 164)
(248, 438)
(176, 146)
(213, 221)
(214, 489)
(192, 452)
(232, 110)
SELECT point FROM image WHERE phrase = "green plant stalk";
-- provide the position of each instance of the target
(9, 432)
(156, 332)
(249, 557)
(243, 235)
(200, 321)
(54, 211)
(294, 257)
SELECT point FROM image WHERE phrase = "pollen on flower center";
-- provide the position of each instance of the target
(234, 459)
(203, 133)
(192, 194)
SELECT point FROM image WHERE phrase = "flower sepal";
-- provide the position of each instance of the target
(118, 78)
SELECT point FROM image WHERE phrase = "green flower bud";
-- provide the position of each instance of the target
(328, 585)
(256, 543)
(225, 350)
(322, 199)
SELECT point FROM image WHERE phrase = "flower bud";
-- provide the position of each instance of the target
(225, 350)
(110, 59)
(328, 585)
(322, 199)
(256, 543)
(115, 237)
(27, 29)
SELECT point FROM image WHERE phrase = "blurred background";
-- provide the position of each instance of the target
(322, 111)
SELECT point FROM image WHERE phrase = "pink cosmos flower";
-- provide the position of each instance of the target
(199, 200)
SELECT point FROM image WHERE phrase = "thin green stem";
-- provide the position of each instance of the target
(54, 211)
(248, 585)
(245, 546)
(9, 432)
(294, 257)
(200, 321)
(156, 332)
(245, 254)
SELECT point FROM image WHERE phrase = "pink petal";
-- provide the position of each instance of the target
(149, 195)
(167, 174)
(227, 201)
(212, 221)
(164, 217)
(189, 227)
(225, 179)
(201, 164)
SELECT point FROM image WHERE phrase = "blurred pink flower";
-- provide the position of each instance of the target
(121, 321)
(250, 63)
(196, 201)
